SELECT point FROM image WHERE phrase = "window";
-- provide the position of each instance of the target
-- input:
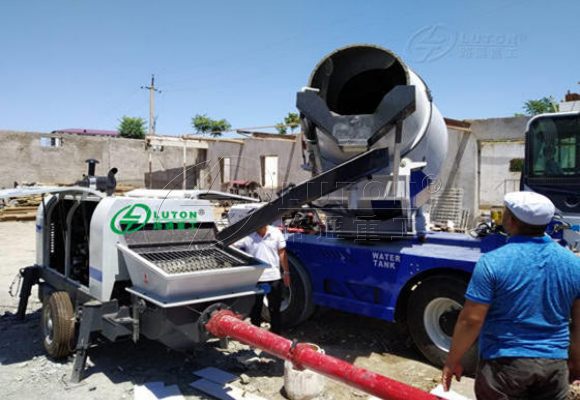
(48, 141)
(516, 165)
(225, 169)
(555, 147)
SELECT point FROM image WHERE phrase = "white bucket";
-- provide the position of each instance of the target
(303, 385)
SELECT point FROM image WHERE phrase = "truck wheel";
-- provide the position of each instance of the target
(431, 316)
(297, 305)
(58, 325)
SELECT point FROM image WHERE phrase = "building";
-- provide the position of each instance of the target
(272, 160)
(480, 160)
(571, 102)
(156, 162)
(478, 170)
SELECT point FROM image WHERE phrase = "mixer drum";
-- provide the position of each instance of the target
(353, 81)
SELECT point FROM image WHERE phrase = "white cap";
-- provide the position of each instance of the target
(530, 208)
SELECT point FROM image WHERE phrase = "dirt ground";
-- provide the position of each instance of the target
(114, 368)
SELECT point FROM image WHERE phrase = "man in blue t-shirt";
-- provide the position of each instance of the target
(521, 299)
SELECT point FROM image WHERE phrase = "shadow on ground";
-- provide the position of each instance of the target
(355, 336)
(342, 335)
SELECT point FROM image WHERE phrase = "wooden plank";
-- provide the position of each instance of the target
(18, 217)
(18, 210)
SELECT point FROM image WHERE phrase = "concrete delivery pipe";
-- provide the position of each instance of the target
(353, 81)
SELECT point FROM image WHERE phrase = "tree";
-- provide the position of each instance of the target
(132, 127)
(219, 126)
(201, 123)
(540, 106)
(292, 121)
(281, 128)
(205, 125)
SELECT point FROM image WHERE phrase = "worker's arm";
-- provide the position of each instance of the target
(574, 360)
(284, 265)
(466, 331)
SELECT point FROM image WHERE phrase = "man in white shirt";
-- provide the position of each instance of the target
(268, 244)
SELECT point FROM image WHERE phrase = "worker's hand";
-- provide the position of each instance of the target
(449, 371)
(286, 278)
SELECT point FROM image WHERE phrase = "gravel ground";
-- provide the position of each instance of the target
(114, 368)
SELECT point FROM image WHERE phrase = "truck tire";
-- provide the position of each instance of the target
(58, 325)
(432, 312)
(297, 305)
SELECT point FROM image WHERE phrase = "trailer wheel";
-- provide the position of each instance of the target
(432, 312)
(297, 305)
(58, 325)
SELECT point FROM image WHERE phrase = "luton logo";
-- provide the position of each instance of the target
(135, 217)
(130, 219)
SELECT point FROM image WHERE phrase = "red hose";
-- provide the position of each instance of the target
(225, 323)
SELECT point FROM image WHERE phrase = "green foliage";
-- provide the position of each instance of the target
(132, 127)
(516, 165)
(541, 106)
(205, 125)
(220, 126)
(292, 121)
(202, 123)
(281, 128)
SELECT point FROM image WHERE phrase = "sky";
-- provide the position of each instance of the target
(81, 64)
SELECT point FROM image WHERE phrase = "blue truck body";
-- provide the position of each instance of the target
(368, 277)
(419, 284)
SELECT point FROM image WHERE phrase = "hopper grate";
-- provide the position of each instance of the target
(191, 260)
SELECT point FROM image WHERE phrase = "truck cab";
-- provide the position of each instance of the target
(552, 167)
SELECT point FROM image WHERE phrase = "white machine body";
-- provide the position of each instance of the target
(120, 227)
(105, 266)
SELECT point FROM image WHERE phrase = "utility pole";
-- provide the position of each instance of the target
(152, 89)
(151, 131)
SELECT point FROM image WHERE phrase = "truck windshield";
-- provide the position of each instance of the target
(554, 146)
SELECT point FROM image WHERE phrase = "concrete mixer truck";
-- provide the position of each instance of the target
(368, 259)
